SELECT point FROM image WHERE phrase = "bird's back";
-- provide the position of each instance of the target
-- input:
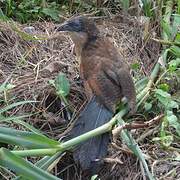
(100, 61)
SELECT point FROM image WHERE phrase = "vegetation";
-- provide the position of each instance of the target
(157, 95)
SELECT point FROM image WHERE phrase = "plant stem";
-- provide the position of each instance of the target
(73, 142)
(166, 42)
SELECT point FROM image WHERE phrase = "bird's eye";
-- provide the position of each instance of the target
(76, 25)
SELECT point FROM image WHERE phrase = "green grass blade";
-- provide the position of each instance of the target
(25, 139)
(125, 4)
(49, 161)
(45, 163)
(131, 143)
(8, 107)
(26, 169)
(147, 7)
(17, 119)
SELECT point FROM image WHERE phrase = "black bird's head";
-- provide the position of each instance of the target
(82, 31)
(79, 25)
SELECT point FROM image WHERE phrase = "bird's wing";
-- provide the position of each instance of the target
(121, 77)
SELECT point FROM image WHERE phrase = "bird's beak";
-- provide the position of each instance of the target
(64, 27)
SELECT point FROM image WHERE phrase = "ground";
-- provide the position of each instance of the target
(30, 64)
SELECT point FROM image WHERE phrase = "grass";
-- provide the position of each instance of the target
(155, 96)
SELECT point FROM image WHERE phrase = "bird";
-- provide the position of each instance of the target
(107, 80)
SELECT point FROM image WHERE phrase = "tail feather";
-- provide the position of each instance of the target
(93, 116)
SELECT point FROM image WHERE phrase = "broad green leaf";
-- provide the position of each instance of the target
(165, 140)
(24, 168)
(173, 65)
(25, 139)
(164, 125)
(52, 82)
(141, 84)
(62, 85)
(2, 16)
(173, 121)
(54, 14)
(164, 87)
(175, 50)
(162, 94)
(166, 99)
(177, 37)
(178, 7)
(175, 25)
(147, 106)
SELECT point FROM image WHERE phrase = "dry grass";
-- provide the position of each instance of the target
(31, 64)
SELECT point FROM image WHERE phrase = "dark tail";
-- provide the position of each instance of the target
(93, 116)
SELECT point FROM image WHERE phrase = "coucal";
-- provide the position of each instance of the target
(106, 79)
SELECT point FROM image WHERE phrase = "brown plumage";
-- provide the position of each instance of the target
(106, 78)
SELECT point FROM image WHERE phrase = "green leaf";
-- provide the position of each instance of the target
(173, 121)
(125, 4)
(173, 65)
(176, 23)
(17, 119)
(52, 82)
(6, 86)
(24, 168)
(164, 87)
(25, 139)
(2, 16)
(147, 106)
(141, 84)
(131, 143)
(62, 85)
(165, 140)
(6, 108)
(95, 177)
(175, 50)
(177, 39)
(167, 29)
(54, 14)
(166, 99)
(49, 162)
(147, 7)
(135, 66)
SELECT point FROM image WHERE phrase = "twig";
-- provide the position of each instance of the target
(125, 150)
(166, 42)
(111, 160)
(143, 136)
(135, 125)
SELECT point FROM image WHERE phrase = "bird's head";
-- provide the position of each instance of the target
(80, 25)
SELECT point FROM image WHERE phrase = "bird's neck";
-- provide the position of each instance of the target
(81, 41)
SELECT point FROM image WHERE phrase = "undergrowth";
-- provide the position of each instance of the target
(157, 94)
